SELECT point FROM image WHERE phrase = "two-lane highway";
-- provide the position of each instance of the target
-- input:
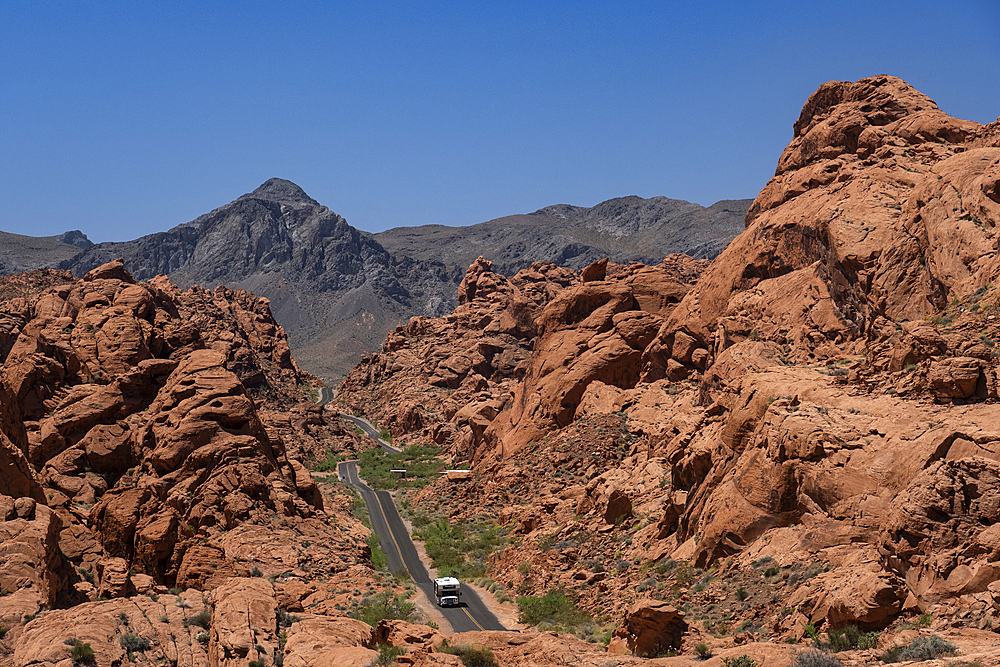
(472, 613)
(370, 431)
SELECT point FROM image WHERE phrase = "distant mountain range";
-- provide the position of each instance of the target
(23, 253)
(337, 290)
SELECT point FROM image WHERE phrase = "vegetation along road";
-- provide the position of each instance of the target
(471, 614)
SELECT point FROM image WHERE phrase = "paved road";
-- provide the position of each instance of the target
(471, 614)
(326, 395)
(370, 431)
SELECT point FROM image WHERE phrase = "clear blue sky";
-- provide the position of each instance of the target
(122, 119)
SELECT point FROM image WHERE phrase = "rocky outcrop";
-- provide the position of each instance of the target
(128, 444)
(820, 399)
(32, 569)
(338, 291)
(651, 628)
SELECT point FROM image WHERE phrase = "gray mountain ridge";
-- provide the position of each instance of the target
(337, 290)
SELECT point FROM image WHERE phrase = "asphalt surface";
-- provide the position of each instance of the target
(370, 431)
(471, 613)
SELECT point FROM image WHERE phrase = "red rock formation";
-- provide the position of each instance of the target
(824, 397)
(120, 395)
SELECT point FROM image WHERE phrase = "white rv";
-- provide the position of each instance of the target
(447, 591)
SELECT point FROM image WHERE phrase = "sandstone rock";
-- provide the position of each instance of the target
(31, 565)
(319, 641)
(114, 270)
(651, 627)
(596, 271)
(242, 620)
(957, 377)
(114, 577)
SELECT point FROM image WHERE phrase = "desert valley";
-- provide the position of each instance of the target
(757, 434)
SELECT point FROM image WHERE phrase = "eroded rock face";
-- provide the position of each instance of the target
(32, 568)
(119, 395)
(823, 396)
(651, 627)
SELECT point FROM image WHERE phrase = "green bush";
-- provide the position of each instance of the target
(921, 648)
(740, 661)
(421, 464)
(82, 653)
(815, 658)
(555, 607)
(202, 619)
(703, 651)
(329, 464)
(383, 606)
(460, 550)
(469, 655)
(133, 643)
(379, 559)
(844, 639)
(387, 654)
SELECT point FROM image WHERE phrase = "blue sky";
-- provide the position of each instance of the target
(122, 119)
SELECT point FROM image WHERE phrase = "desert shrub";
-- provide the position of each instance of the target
(555, 607)
(421, 464)
(741, 594)
(202, 619)
(703, 651)
(868, 640)
(285, 619)
(255, 572)
(329, 464)
(844, 639)
(462, 550)
(921, 648)
(739, 661)
(202, 637)
(82, 653)
(383, 606)
(380, 561)
(3, 631)
(771, 571)
(388, 654)
(815, 658)
(469, 655)
(133, 643)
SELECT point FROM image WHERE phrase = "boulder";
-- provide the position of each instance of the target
(651, 627)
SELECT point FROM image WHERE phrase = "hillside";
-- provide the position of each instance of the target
(798, 440)
(337, 291)
(25, 253)
(624, 229)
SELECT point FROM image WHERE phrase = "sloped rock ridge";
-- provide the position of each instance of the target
(809, 421)
(337, 291)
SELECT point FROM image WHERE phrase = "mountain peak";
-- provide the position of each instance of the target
(280, 190)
